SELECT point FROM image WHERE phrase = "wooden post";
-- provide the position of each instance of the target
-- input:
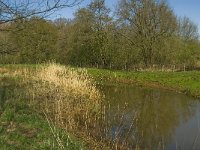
(184, 68)
(163, 66)
(174, 68)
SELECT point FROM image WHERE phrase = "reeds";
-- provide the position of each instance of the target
(67, 96)
(69, 99)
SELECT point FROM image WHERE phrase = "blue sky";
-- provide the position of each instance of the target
(189, 8)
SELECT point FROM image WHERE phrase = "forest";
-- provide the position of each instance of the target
(137, 34)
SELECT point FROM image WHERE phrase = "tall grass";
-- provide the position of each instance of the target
(64, 92)
(68, 97)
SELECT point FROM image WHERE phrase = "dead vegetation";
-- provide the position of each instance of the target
(67, 97)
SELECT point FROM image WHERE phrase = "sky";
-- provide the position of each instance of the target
(188, 8)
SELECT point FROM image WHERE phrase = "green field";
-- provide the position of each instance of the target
(185, 82)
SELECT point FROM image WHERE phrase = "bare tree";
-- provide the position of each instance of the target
(17, 10)
(11, 10)
(187, 29)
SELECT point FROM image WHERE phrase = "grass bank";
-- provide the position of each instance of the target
(24, 127)
(42, 106)
(184, 82)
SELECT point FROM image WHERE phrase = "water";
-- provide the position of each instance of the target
(151, 118)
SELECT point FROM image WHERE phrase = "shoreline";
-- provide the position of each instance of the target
(171, 81)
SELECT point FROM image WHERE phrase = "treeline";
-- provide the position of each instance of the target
(138, 34)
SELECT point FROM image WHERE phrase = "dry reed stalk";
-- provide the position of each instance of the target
(53, 131)
(68, 96)
(69, 99)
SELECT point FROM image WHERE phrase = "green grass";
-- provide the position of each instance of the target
(185, 82)
(22, 127)
(19, 65)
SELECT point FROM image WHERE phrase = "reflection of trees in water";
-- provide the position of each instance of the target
(152, 115)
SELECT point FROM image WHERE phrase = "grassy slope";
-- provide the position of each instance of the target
(73, 142)
(21, 127)
(185, 82)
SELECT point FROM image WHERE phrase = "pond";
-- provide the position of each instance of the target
(154, 119)
(141, 118)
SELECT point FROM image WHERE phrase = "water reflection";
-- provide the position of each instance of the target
(151, 118)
